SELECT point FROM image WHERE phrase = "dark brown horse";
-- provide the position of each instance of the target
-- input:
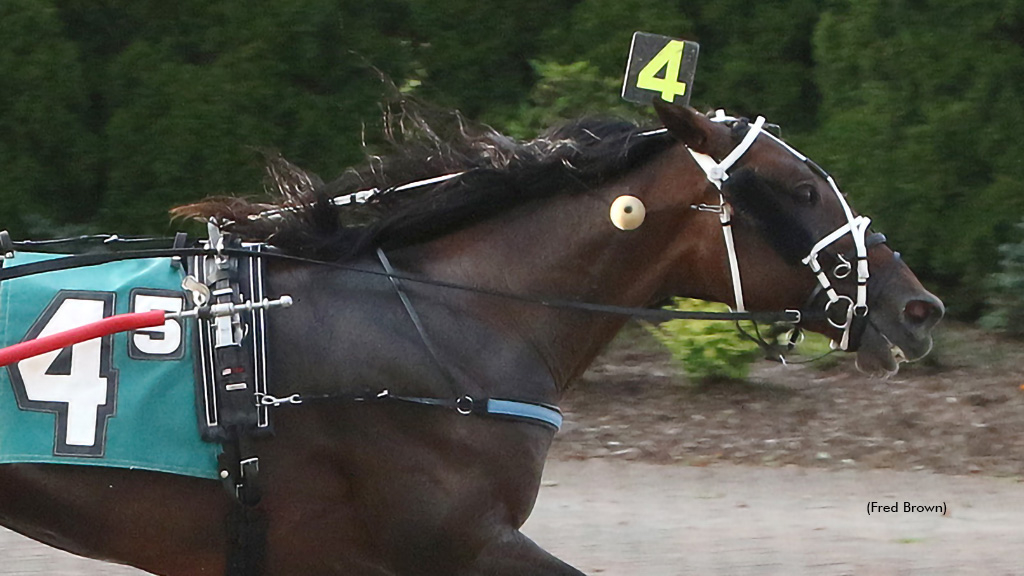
(397, 488)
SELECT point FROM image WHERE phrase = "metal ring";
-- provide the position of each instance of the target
(793, 337)
(464, 405)
(847, 316)
(843, 269)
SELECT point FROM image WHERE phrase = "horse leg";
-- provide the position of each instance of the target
(513, 554)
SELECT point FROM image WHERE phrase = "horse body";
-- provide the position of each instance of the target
(390, 488)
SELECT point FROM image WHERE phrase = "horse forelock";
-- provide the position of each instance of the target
(496, 174)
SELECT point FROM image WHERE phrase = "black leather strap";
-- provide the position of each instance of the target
(81, 260)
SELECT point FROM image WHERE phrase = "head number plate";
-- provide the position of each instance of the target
(659, 67)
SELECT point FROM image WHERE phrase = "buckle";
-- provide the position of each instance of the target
(252, 465)
(464, 405)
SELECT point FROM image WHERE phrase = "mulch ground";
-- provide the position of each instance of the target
(960, 411)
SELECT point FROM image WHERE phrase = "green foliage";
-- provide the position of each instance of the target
(112, 112)
(476, 55)
(756, 59)
(1006, 300)
(194, 97)
(48, 157)
(920, 110)
(563, 92)
(707, 350)
(599, 31)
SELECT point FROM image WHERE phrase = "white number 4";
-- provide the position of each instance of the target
(78, 384)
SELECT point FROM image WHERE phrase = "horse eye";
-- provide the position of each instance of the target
(805, 194)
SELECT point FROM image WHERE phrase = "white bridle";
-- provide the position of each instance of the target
(856, 226)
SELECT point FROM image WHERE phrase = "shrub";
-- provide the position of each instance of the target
(1006, 291)
(707, 350)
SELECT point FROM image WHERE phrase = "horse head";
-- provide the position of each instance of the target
(792, 242)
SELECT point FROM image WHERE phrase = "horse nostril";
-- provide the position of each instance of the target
(923, 313)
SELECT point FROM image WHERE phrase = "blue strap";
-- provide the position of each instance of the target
(533, 412)
(529, 412)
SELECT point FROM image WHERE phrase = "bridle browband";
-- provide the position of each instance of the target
(853, 319)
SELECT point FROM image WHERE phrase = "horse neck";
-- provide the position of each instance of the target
(567, 248)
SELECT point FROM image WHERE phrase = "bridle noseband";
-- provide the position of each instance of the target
(853, 319)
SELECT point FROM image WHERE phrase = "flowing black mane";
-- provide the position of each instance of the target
(496, 174)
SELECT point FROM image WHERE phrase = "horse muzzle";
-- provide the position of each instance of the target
(899, 329)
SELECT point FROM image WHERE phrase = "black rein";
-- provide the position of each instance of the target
(656, 315)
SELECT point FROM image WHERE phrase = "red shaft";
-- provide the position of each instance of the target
(111, 325)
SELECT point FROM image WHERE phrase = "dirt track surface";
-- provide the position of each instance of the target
(654, 476)
(623, 518)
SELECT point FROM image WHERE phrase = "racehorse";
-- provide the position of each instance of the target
(385, 488)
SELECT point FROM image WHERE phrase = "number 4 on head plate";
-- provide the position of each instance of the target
(659, 67)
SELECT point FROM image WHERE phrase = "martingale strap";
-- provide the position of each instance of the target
(530, 412)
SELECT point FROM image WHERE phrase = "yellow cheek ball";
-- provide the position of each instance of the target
(627, 212)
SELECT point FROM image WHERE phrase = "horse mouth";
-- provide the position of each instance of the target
(882, 350)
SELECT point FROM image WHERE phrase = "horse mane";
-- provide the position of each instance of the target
(495, 173)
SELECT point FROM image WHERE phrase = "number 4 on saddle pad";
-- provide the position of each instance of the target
(124, 400)
(659, 67)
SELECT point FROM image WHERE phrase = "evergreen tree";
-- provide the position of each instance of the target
(48, 157)
(920, 107)
(756, 60)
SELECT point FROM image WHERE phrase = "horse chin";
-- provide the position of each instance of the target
(880, 357)
(876, 357)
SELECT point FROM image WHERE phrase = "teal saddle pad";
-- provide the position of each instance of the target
(126, 400)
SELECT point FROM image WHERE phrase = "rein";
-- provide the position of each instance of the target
(660, 315)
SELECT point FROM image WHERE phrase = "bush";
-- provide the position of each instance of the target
(1006, 291)
(707, 350)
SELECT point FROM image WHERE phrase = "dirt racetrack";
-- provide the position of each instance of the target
(654, 476)
(627, 518)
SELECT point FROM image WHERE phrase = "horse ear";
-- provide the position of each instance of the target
(686, 124)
